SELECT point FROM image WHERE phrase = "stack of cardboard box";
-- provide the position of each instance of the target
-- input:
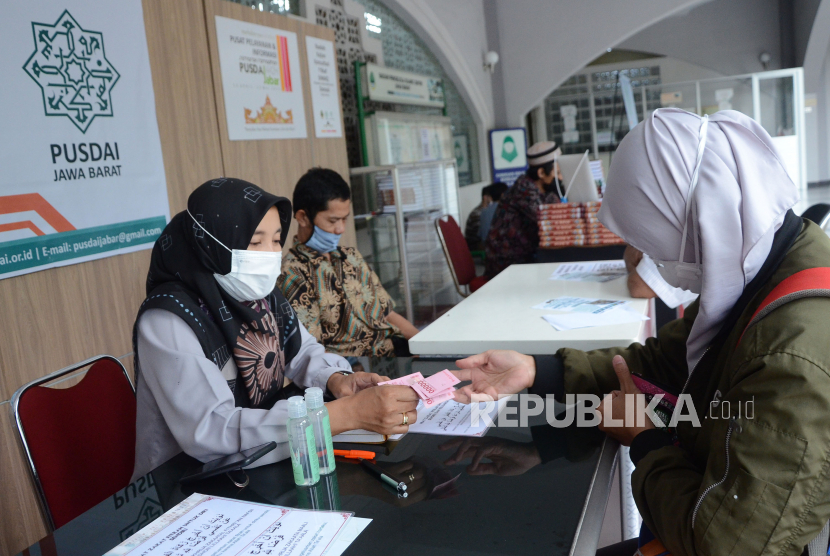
(572, 225)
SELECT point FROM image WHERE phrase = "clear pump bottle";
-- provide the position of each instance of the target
(301, 443)
(319, 416)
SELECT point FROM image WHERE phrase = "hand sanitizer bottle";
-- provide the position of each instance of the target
(301, 443)
(319, 416)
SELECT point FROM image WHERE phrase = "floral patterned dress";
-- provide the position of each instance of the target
(514, 232)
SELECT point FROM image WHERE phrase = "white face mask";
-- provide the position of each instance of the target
(253, 274)
(688, 276)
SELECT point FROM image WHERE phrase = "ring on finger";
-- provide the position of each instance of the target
(405, 419)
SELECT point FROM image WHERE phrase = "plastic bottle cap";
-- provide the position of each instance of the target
(296, 407)
(314, 397)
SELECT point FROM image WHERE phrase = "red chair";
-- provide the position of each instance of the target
(458, 255)
(79, 441)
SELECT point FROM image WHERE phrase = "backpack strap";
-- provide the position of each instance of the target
(812, 282)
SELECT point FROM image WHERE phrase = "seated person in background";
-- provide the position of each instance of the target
(494, 192)
(471, 228)
(514, 233)
(215, 341)
(334, 292)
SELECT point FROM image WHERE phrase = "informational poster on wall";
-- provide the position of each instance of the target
(261, 81)
(82, 173)
(391, 85)
(322, 72)
(508, 154)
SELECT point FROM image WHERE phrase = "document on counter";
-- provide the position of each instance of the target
(453, 418)
(210, 525)
(580, 304)
(573, 320)
(604, 271)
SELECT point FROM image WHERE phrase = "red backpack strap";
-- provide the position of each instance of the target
(812, 282)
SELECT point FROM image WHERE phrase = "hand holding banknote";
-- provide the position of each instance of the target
(432, 390)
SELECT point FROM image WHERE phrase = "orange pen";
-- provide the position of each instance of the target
(355, 454)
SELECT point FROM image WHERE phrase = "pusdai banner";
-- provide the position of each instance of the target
(82, 173)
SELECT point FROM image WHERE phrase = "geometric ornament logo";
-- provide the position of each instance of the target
(70, 67)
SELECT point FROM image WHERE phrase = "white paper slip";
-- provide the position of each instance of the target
(571, 321)
(353, 528)
(453, 418)
(603, 271)
(580, 304)
(210, 525)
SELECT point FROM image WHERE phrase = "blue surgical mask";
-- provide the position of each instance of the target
(323, 241)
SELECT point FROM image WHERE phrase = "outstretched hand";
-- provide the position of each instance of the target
(494, 373)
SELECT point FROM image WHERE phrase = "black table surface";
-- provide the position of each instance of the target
(580, 254)
(511, 504)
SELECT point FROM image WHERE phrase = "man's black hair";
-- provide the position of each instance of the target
(495, 190)
(533, 171)
(316, 188)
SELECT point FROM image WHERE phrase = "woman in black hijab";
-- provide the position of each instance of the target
(214, 340)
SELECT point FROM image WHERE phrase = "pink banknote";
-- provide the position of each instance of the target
(441, 397)
(407, 380)
(435, 384)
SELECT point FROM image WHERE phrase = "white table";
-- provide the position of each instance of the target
(499, 316)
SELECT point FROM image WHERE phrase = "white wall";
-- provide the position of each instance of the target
(817, 82)
(724, 35)
(542, 42)
(804, 13)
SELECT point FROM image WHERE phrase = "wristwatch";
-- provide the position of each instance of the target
(328, 393)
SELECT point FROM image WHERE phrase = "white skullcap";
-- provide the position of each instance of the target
(543, 152)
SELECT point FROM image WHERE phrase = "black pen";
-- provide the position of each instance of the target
(376, 471)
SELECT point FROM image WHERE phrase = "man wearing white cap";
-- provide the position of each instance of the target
(514, 233)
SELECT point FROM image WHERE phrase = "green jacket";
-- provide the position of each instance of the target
(752, 482)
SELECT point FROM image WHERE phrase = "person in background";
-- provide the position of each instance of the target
(472, 230)
(334, 292)
(494, 192)
(514, 233)
(215, 340)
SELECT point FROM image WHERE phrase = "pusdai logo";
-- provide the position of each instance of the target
(73, 73)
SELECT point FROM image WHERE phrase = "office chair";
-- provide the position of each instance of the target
(79, 441)
(458, 256)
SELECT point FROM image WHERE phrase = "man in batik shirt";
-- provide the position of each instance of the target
(514, 233)
(335, 294)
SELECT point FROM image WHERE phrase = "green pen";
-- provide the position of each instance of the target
(376, 471)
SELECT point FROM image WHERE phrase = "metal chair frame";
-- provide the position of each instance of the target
(449, 258)
(21, 433)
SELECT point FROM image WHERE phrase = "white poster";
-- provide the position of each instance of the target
(82, 174)
(325, 102)
(261, 81)
(391, 85)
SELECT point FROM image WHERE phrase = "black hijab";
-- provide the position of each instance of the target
(262, 336)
